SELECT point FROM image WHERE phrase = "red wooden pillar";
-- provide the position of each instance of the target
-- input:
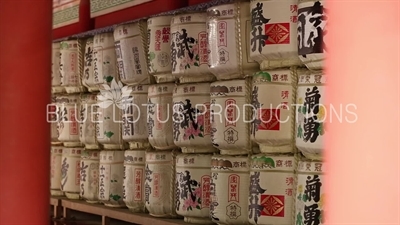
(25, 76)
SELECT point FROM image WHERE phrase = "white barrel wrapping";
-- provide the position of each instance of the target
(228, 39)
(131, 48)
(191, 118)
(231, 115)
(52, 118)
(111, 178)
(311, 33)
(311, 114)
(105, 67)
(134, 117)
(134, 174)
(230, 181)
(273, 33)
(273, 98)
(55, 170)
(70, 172)
(310, 192)
(88, 68)
(159, 116)
(159, 187)
(108, 115)
(71, 65)
(159, 34)
(193, 179)
(87, 125)
(55, 69)
(271, 202)
(189, 48)
(90, 161)
(68, 107)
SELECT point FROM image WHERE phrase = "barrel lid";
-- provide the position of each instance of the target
(194, 160)
(312, 78)
(135, 157)
(229, 88)
(72, 151)
(158, 89)
(159, 21)
(127, 30)
(195, 17)
(112, 156)
(92, 155)
(273, 162)
(230, 163)
(190, 89)
(104, 40)
(69, 45)
(309, 166)
(161, 156)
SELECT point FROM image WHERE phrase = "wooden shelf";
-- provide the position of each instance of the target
(109, 213)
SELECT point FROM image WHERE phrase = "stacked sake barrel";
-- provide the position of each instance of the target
(287, 108)
(66, 147)
(231, 111)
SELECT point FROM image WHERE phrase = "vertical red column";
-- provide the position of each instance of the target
(25, 76)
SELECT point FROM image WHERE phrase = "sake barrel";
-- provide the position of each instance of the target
(90, 161)
(310, 192)
(311, 114)
(271, 202)
(87, 125)
(131, 48)
(273, 99)
(191, 118)
(273, 33)
(88, 69)
(189, 51)
(159, 31)
(228, 39)
(104, 60)
(68, 115)
(134, 168)
(193, 187)
(70, 172)
(111, 178)
(108, 114)
(134, 117)
(55, 170)
(53, 119)
(71, 65)
(159, 113)
(311, 33)
(55, 69)
(159, 184)
(231, 116)
(229, 189)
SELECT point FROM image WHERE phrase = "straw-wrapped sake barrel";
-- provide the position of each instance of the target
(111, 178)
(310, 192)
(131, 48)
(191, 118)
(88, 68)
(159, 31)
(273, 99)
(231, 116)
(271, 189)
(105, 67)
(230, 181)
(311, 114)
(159, 186)
(90, 161)
(68, 115)
(53, 119)
(134, 173)
(228, 40)
(87, 125)
(55, 170)
(193, 187)
(71, 65)
(55, 69)
(108, 115)
(159, 113)
(134, 117)
(311, 33)
(70, 172)
(273, 33)
(189, 51)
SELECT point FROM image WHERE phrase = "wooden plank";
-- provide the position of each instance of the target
(122, 214)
